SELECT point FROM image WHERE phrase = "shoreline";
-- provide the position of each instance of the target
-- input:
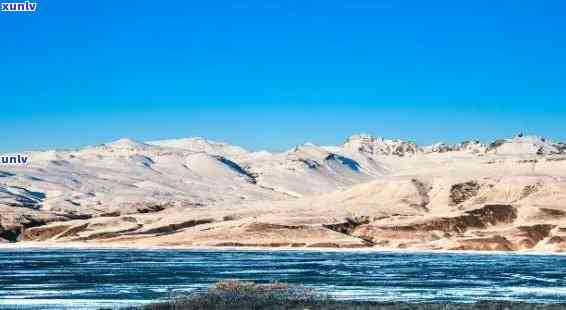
(99, 246)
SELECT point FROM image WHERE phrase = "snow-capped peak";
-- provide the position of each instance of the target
(126, 143)
(198, 144)
(473, 146)
(368, 144)
(522, 144)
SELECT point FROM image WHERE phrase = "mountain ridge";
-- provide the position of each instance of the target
(369, 189)
(377, 145)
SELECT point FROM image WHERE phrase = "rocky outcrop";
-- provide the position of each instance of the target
(527, 237)
(174, 227)
(432, 229)
(475, 219)
(547, 214)
(49, 232)
(481, 218)
(511, 239)
(494, 243)
(461, 192)
(14, 224)
(556, 241)
(82, 230)
(390, 237)
(423, 190)
(349, 225)
(370, 145)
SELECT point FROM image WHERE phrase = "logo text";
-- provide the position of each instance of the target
(18, 6)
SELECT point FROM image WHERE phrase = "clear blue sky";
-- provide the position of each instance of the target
(268, 76)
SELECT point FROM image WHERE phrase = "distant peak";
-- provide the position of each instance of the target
(528, 138)
(525, 144)
(303, 146)
(183, 142)
(307, 148)
(366, 143)
(125, 143)
(199, 144)
(364, 136)
(471, 146)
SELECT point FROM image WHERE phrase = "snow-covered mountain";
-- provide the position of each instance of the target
(169, 185)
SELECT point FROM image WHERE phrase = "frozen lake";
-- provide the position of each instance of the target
(88, 278)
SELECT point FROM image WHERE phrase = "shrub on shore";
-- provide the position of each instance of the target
(238, 295)
(244, 295)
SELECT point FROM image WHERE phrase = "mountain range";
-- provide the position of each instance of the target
(367, 192)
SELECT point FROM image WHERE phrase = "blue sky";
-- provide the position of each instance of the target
(269, 75)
